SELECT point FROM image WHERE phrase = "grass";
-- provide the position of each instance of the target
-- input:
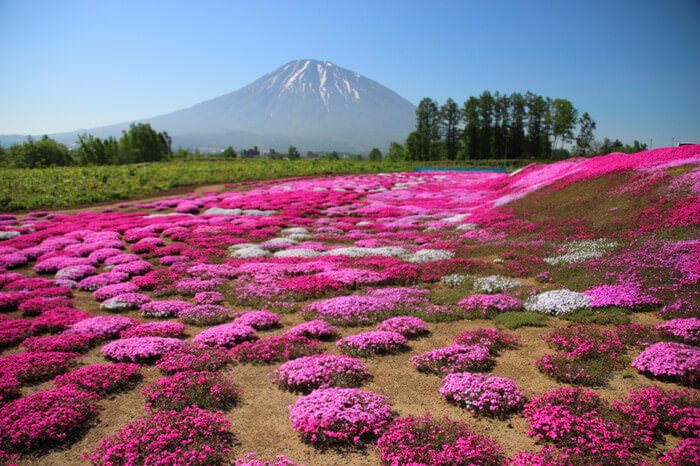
(602, 316)
(70, 186)
(514, 319)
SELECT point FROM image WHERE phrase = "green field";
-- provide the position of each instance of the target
(70, 186)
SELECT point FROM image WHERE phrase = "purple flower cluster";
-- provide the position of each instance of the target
(141, 349)
(405, 325)
(349, 310)
(275, 349)
(320, 371)
(629, 296)
(455, 358)
(226, 335)
(318, 329)
(206, 314)
(195, 357)
(104, 326)
(340, 415)
(101, 378)
(488, 305)
(371, 343)
(95, 282)
(675, 361)
(110, 291)
(683, 330)
(483, 394)
(57, 320)
(259, 320)
(155, 329)
(492, 338)
(161, 309)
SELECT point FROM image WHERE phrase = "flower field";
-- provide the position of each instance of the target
(549, 316)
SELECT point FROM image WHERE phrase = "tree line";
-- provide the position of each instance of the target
(140, 143)
(494, 126)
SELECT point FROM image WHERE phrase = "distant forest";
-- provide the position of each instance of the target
(497, 125)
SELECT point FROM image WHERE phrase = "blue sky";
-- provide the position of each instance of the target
(633, 65)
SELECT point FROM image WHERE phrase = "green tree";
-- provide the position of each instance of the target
(564, 118)
(516, 128)
(416, 146)
(229, 153)
(471, 134)
(501, 116)
(396, 152)
(450, 120)
(293, 153)
(36, 154)
(332, 156)
(427, 125)
(585, 134)
(95, 151)
(537, 111)
(486, 104)
(141, 143)
(375, 155)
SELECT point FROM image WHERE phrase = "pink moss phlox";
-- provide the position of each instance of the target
(370, 343)
(683, 330)
(155, 329)
(104, 326)
(318, 329)
(196, 357)
(405, 325)
(101, 379)
(141, 349)
(483, 394)
(275, 349)
(259, 320)
(208, 390)
(488, 305)
(226, 335)
(455, 358)
(320, 371)
(492, 338)
(675, 361)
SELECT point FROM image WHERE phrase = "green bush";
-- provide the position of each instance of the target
(515, 319)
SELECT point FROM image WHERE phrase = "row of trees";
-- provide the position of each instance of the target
(495, 126)
(140, 143)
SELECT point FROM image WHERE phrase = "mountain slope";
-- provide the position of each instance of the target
(312, 104)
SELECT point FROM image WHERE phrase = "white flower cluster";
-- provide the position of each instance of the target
(580, 251)
(557, 302)
(354, 251)
(296, 233)
(494, 284)
(8, 234)
(467, 226)
(454, 280)
(300, 252)
(428, 255)
(246, 251)
(228, 212)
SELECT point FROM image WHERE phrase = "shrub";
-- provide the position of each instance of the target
(101, 378)
(371, 343)
(557, 302)
(320, 371)
(425, 441)
(141, 349)
(664, 411)
(318, 329)
(514, 320)
(206, 314)
(568, 368)
(493, 339)
(349, 310)
(674, 361)
(162, 309)
(455, 358)
(483, 394)
(154, 329)
(686, 454)
(628, 296)
(406, 326)
(104, 326)
(78, 343)
(259, 320)
(58, 319)
(12, 331)
(195, 357)
(45, 419)
(36, 306)
(683, 330)
(489, 305)
(208, 390)
(226, 335)
(581, 422)
(680, 308)
(637, 335)
(340, 416)
(599, 316)
(193, 436)
(36, 367)
(125, 302)
(275, 349)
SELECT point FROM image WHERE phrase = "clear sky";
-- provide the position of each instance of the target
(633, 65)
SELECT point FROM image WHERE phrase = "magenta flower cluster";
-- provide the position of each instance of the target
(483, 394)
(226, 335)
(320, 371)
(492, 338)
(683, 330)
(371, 343)
(259, 320)
(455, 358)
(675, 361)
(208, 390)
(349, 310)
(141, 349)
(340, 416)
(196, 357)
(162, 328)
(104, 326)
(318, 329)
(405, 325)
(275, 349)
(101, 379)
(488, 305)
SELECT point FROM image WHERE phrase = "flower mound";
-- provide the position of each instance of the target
(140, 349)
(154, 329)
(205, 314)
(489, 305)
(622, 296)
(455, 358)
(370, 343)
(318, 329)
(687, 453)
(675, 361)
(275, 349)
(320, 371)
(580, 422)
(101, 378)
(406, 326)
(193, 436)
(259, 320)
(664, 411)
(208, 390)
(78, 343)
(45, 419)
(195, 357)
(424, 441)
(683, 330)
(340, 415)
(493, 339)
(162, 309)
(483, 394)
(349, 310)
(226, 335)
(104, 326)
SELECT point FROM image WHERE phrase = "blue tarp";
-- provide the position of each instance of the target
(429, 169)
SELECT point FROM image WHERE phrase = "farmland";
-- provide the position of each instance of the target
(545, 316)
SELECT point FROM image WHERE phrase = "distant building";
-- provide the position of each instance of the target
(312, 155)
(250, 153)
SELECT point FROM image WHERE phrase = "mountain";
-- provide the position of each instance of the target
(314, 105)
